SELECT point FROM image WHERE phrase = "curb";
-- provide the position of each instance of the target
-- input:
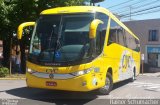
(151, 75)
(12, 78)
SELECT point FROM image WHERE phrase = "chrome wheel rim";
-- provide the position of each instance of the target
(106, 88)
(107, 84)
(133, 76)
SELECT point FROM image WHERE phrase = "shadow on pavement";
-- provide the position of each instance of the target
(120, 84)
(53, 96)
(59, 97)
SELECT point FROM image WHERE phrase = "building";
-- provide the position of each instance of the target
(149, 33)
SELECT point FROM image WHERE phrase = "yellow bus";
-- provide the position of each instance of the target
(80, 48)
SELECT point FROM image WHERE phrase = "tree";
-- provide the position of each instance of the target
(18, 11)
(5, 30)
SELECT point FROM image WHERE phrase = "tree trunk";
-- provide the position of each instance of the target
(23, 55)
(6, 51)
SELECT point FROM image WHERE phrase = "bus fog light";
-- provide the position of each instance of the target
(84, 83)
(94, 81)
(96, 69)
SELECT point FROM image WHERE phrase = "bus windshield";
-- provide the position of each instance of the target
(61, 38)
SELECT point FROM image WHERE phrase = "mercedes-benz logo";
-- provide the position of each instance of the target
(51, 72)
(51, 75)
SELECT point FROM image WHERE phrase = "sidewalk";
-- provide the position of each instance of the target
(151, 74)
(14, 77)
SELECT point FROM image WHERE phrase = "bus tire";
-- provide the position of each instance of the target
(105, 90)
(132, 79)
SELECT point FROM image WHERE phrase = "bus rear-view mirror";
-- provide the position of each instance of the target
(22, 26)
(93, 28)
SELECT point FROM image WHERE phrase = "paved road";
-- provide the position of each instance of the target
(144, 87)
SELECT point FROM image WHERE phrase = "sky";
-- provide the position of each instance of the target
(127, 6)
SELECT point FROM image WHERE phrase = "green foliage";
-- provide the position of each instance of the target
(4, 21)
(18, 11)
(97, 1)
(4, 71)
(13, 13)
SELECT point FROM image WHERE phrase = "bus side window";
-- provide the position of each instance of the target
(101, 31)
(117, 34)
(137, 45)
(113, 38)
(132, 43)
(121, 36)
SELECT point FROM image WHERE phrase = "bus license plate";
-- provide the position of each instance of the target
(51, 83)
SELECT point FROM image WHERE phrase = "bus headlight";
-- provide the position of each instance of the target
(30, 70)
(78, 73)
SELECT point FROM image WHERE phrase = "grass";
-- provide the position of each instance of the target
(16, 76)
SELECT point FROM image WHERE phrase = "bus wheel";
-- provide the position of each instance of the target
(133, 76)
(108, 85)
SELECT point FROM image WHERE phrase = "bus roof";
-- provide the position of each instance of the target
(82, 9)
(74, 9)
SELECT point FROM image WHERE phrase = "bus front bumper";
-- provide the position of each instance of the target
(87, 82)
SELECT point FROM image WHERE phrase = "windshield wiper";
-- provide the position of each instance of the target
(58, 43)
(50, 38)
